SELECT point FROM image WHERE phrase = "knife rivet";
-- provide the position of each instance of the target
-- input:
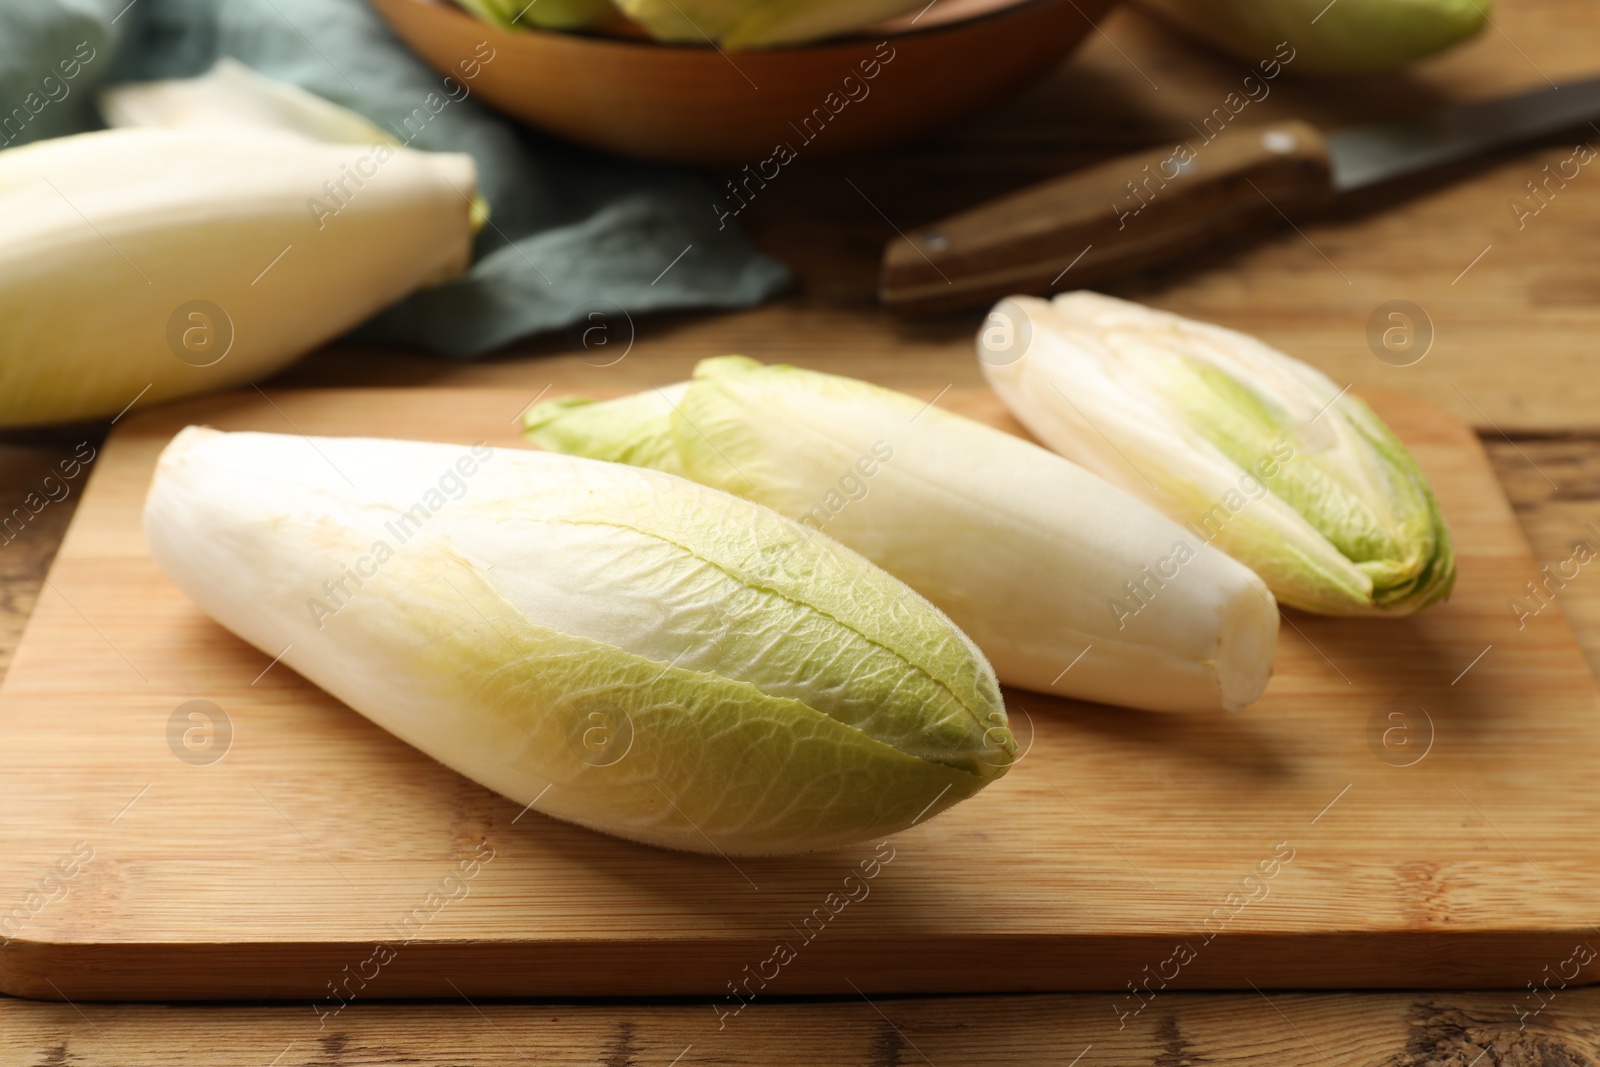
(1278, 142)
(935, 242)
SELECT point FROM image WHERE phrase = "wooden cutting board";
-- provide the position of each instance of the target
(1412, 803)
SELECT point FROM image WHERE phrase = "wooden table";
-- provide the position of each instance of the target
(1515, 312)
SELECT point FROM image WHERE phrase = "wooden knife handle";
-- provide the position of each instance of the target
(1110, 219)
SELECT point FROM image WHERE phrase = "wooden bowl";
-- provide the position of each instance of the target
(702, 105)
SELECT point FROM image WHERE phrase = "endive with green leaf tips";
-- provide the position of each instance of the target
(759, 23)
(1251, 450)
(544, 14)
(1323, 38)
(1068, 584)
(615, 647)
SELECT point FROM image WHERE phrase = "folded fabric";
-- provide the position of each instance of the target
(571, 231)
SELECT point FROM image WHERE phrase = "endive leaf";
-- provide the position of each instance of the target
(150, 264)
(1054, 573)
(619, 648)
(230, 97)
(543, 14)
(1319, 38)
(1251, 450)
(759, 23)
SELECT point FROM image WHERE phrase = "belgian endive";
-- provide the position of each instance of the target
(1068, 584)
(145, 264)
(619, 648)
(545, 14)
(1249, 449)
(1320, 38)
(759, 23)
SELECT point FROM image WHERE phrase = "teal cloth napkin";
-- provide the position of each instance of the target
(572, 231)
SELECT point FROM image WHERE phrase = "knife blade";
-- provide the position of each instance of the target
(1143, 210)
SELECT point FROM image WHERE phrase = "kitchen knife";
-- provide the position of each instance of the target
(1149, 208)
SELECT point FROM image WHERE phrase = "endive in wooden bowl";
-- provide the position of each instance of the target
(700, 104)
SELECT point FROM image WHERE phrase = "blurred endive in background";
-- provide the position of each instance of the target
(569, 226)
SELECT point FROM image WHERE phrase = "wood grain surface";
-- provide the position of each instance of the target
(1406, 804)
(1182, 1029)
(1513, 336)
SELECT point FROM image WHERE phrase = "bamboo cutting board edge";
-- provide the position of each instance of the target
(111, 963)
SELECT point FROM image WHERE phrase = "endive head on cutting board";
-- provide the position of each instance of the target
(1253, 451)
(614, 647)
(1068, 584)
(1150, 208)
